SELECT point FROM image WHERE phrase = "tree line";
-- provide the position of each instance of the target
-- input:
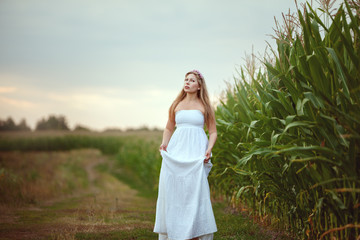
(10, 125)
(53, 122)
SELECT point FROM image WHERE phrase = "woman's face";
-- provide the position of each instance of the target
(191, 84)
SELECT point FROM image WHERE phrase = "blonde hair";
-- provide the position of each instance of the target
(202, 94)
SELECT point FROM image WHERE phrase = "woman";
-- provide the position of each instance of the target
(183, 209)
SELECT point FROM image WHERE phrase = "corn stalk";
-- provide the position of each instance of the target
(289, 133)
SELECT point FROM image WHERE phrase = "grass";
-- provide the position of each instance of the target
(80, 194)
(103, 208)
(107, 143)
(236, 225)
(138, 233)
(27, 178)
(95, 203)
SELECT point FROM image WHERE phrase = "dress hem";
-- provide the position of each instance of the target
(209, 236)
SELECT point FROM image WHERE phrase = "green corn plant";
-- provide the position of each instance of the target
(289, 135)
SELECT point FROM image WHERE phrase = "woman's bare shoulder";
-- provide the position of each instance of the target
(194, 106)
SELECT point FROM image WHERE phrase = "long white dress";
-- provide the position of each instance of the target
(183, 209)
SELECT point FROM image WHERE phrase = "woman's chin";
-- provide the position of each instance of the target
(188, 91)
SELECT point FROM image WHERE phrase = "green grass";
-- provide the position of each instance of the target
(235, 225)
(136, 233)
(98, 212)
(231, 226)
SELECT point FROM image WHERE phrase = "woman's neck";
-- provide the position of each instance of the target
(190, 97)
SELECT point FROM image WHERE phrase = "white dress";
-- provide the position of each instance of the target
(183, 209)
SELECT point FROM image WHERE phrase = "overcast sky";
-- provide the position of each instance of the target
(121, 63)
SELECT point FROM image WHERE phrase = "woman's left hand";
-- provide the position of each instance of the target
(207, 156)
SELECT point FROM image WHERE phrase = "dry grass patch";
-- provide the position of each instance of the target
(32, 177)
(73, 196)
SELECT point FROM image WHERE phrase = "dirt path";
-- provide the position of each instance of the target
(107, 209)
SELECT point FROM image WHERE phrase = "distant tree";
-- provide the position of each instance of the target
(113, 129)
(140, 128)
(2, 125)
(52, 123)
(9, 125)
(143, 128)
(156, 129)
(22, 126)
(130, 129)
(79, 127)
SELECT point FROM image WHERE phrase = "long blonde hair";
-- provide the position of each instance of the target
(202, 94)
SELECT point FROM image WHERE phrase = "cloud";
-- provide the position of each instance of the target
(15, 103)
(89, 101)
(7, 89)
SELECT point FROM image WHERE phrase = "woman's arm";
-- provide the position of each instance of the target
(169, 129)
(212, 140)
(212, 136)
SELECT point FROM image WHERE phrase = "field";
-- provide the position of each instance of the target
(82, 193)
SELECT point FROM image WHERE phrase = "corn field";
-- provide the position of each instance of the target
(288, 149)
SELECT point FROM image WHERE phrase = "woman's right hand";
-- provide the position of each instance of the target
(163, 147)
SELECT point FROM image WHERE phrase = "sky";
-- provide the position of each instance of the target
(121, 63)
